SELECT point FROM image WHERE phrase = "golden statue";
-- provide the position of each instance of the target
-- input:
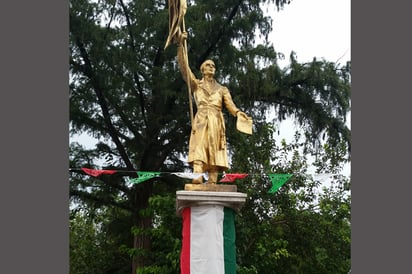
(207, 145)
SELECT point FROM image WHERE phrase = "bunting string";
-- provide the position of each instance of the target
(277, 179)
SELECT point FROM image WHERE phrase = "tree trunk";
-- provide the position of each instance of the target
(141, 241)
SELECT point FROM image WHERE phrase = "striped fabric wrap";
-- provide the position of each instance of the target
(208, 240)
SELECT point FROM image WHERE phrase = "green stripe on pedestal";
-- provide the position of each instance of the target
(229, 237)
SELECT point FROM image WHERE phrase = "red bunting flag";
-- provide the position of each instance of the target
(230, 178)
(96, 173)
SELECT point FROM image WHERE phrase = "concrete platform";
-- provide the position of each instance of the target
(189, 198)
(211, 187)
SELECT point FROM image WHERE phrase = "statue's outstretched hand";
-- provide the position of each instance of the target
(244, 115)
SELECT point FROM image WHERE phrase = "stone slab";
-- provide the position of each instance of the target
(211, 187)
(188, 198)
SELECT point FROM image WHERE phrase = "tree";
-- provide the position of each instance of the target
(304, 227)
(91, 238)
(126, 91)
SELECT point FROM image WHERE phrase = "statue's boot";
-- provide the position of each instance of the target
(198, 168)
(212, 176)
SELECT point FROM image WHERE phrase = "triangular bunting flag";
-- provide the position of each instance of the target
(144, 176)
(277, 181)
(322, 176)
(189, 175)
(231, 177)
(96, 173)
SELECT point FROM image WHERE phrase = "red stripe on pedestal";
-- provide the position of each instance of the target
(185, 254)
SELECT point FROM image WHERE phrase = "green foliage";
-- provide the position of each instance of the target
(126, 91)
(165, 236)
(302, 228)
(93, 245)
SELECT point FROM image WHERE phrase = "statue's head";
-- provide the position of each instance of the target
(208, 68)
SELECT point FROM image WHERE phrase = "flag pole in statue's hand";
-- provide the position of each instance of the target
(187, 76)
(177, 11)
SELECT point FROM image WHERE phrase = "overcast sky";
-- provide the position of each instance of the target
(315, 28)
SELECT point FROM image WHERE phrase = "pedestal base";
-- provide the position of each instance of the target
(208, 233)
(186, 198)
(211, 187)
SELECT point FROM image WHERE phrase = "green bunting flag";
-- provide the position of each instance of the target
(144, 176)
(277, 181)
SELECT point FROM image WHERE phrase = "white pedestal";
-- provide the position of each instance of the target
(208, 233)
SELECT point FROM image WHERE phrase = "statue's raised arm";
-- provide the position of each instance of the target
(183, 61)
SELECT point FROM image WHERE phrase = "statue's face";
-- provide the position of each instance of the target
(208, 68)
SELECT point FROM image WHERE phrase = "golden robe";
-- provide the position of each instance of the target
(208, 139)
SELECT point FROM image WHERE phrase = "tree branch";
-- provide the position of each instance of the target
(102, 200)
(135, 75)
(102, 102)
(218, 37)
